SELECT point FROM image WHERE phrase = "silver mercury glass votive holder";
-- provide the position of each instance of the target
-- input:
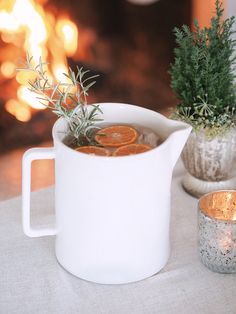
(217, 231)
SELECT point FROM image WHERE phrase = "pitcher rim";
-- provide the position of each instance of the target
(134, 156)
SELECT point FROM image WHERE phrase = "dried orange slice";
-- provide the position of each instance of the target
(131, 149)
(94, 150)
(116, 136)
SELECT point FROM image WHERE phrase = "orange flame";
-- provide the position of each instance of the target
(68, 33)
(41, 35)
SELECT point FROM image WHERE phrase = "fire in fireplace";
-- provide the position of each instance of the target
(128, 45)
(26, 26)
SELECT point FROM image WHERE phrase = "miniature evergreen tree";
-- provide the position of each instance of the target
(203, 74)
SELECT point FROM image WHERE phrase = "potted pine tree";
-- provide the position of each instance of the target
(202, 77)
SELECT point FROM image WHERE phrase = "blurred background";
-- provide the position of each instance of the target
(129, 43)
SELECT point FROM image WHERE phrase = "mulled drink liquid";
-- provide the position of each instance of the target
(115, 136)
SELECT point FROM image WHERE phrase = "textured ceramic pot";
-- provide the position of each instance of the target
(209, 162)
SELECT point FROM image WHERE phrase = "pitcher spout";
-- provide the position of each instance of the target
(177, 140)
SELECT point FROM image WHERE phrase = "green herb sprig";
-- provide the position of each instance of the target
(67, 100)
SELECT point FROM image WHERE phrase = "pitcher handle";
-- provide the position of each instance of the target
(28, 157)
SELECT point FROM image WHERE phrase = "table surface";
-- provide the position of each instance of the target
(33, 282)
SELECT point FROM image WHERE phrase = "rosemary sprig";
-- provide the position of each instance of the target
(67, 100)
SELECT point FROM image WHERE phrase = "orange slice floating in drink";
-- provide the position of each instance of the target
(116, 136)
(93, 150)
(131, 149)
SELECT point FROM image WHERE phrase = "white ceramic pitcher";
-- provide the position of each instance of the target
(112, 213)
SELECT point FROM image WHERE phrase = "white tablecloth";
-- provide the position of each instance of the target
(31, 280)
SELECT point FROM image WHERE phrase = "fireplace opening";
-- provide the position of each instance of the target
(130, 46)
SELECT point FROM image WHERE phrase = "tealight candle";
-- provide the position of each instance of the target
(217, 231)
